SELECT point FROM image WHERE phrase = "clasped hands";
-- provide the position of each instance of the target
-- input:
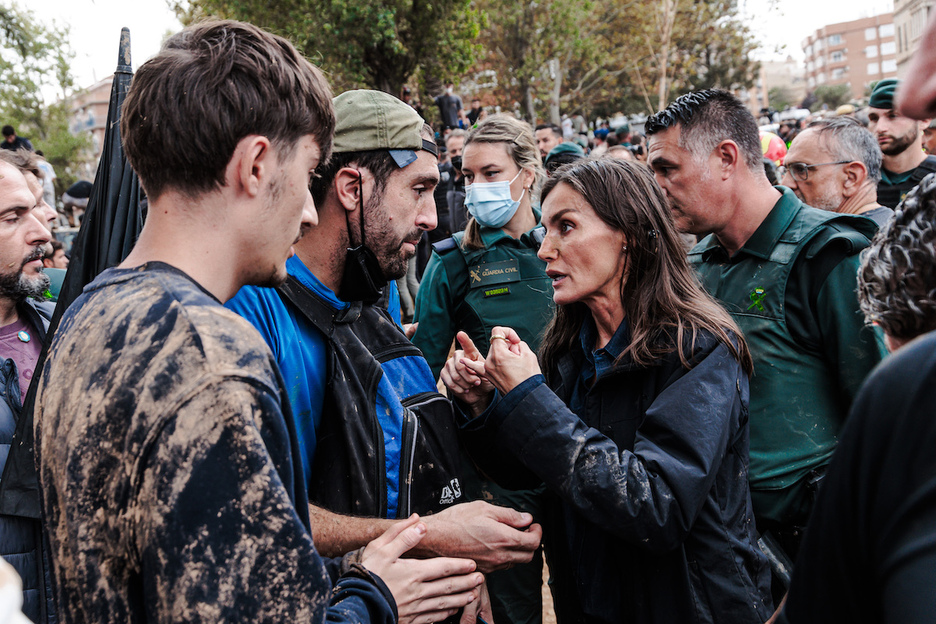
(471, 377)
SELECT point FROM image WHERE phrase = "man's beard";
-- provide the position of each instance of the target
(899, 145)
(17, 286)
(379, 237)
(390, 254)
(829, 201)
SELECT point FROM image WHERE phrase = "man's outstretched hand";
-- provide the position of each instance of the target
(495, 537)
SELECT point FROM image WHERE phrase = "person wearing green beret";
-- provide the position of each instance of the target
(562, 154)
(901, 141)
(623, 134)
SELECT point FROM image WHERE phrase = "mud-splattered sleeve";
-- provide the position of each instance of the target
(652, 495)
(216, 533)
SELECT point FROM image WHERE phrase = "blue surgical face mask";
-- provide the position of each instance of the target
(491, 203)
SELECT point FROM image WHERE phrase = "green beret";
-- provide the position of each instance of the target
(883, 94)
(566, 148)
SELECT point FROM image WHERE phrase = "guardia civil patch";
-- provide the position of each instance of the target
(490, 273)
(757, 299)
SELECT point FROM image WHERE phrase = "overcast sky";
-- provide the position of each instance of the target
(95, 26)
(95, 31)
(783, 24)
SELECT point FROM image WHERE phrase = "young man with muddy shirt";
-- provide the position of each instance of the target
(171, 484)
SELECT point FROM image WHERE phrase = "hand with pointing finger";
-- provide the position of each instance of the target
(463, 375)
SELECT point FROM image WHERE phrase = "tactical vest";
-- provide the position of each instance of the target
(796, 408)
(387, 442)
(505, 285)
(892, 194)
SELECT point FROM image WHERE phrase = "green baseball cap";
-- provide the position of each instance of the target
(374, 120)
(883, 94)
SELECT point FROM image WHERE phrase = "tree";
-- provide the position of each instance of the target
(618, 55)
(682, 46)
(530, 47)
(780, 97)
(832, 96)
(361, 43)
(35, 61)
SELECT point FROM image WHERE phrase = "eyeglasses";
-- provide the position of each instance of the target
(800, 171)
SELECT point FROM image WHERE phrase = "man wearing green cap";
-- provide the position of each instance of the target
(376, 437)
(171, 489)
(901, 141)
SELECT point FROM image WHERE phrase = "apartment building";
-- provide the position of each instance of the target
(89, 114)
(910, 18)
(854, 53)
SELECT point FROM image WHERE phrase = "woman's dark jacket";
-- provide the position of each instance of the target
(650, 518)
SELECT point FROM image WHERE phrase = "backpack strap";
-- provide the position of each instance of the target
(312, 307)
(453, 259)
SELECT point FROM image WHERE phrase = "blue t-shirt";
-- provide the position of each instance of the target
(299, 347)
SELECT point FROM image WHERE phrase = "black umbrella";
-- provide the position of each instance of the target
(109, 229)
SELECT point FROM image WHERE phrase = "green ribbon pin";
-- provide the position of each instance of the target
(757, 297)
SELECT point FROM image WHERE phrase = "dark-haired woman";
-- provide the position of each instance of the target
(639, 427)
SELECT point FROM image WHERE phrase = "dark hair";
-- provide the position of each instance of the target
(770, 170)
(556, 130)
(554, 161)
(8, 131)
(897, 278)
(378, 162)
(662, 299)
(210, 86)
(849, 140)
(24, 160)
(707, 118)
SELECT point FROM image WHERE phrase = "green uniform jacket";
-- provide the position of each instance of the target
(475, 290)
(792, 291)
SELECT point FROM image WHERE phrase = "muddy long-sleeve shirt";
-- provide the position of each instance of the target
(170, 478)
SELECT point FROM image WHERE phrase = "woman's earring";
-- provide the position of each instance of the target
(624, 248)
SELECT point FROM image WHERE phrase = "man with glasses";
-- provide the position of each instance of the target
(835, 165)
(901, 141)
(786, 273)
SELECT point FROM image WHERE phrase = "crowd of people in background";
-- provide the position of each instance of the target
(416, 363)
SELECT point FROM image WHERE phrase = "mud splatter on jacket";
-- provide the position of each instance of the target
(650, 519)
(170, 479)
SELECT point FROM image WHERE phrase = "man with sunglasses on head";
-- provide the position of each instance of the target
(786, 273)
(835, 165)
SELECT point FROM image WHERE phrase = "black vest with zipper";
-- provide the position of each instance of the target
(378, 459)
